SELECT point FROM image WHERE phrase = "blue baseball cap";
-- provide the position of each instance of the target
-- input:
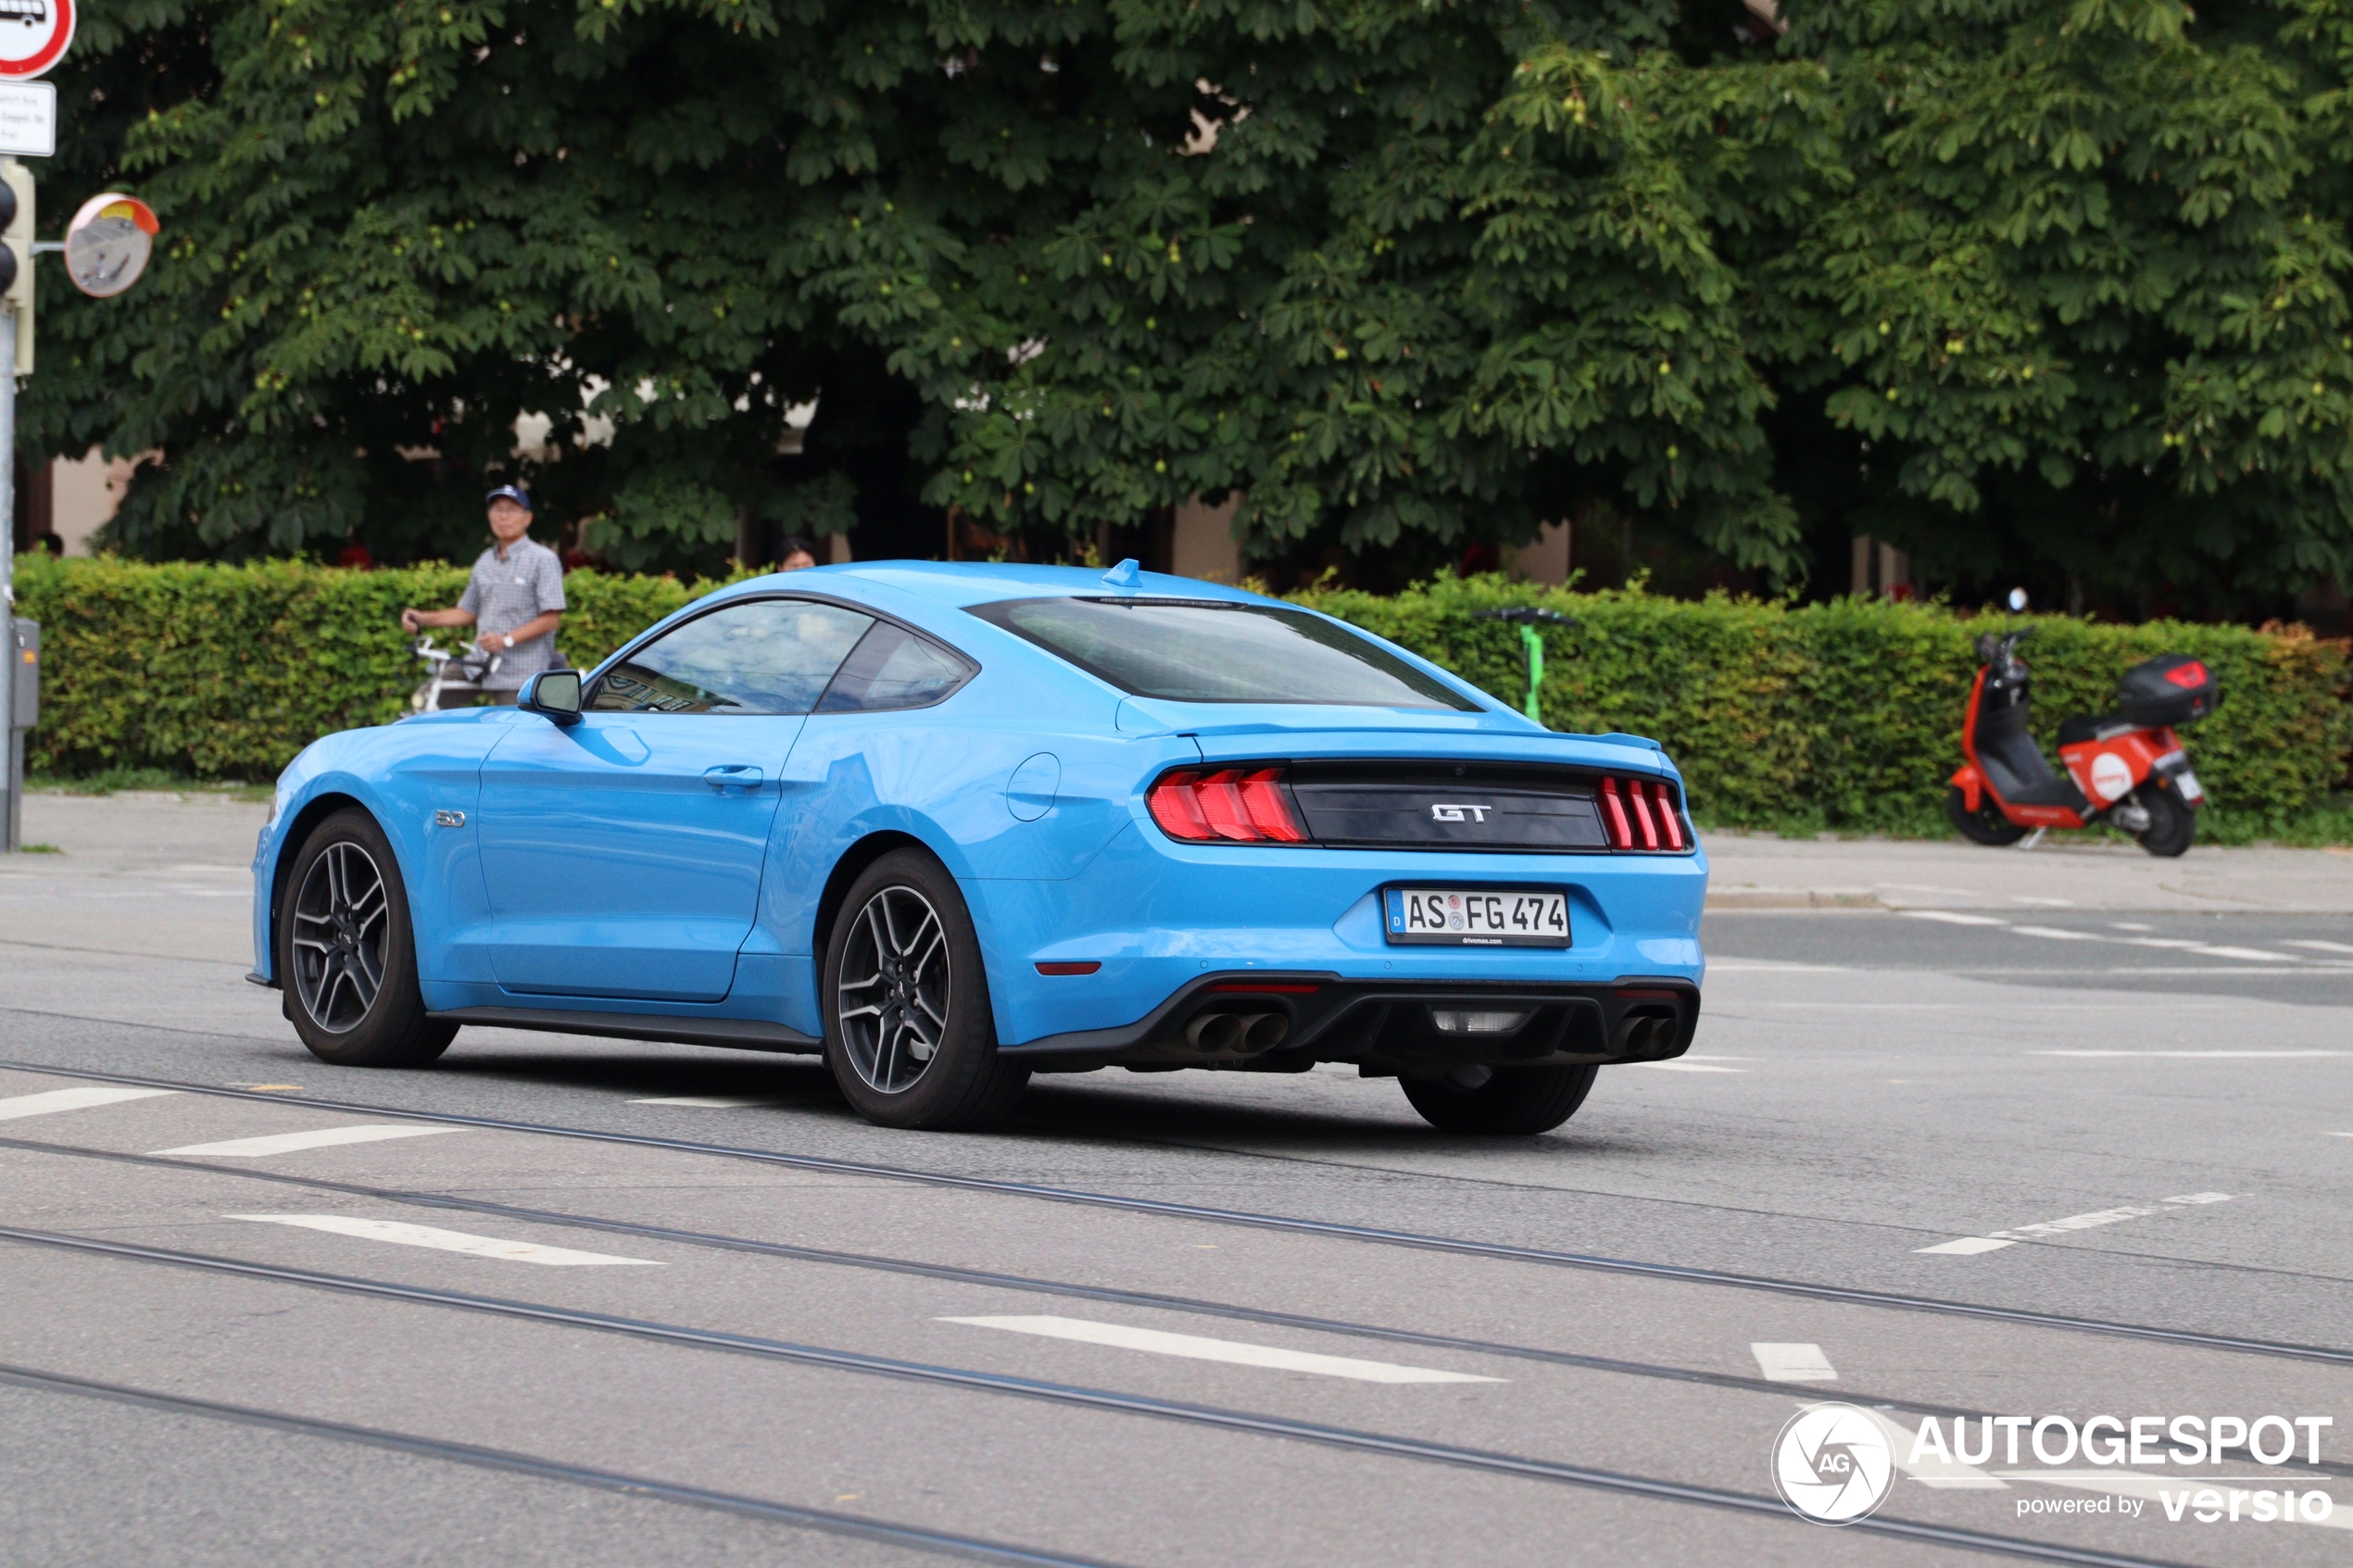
(514, 493)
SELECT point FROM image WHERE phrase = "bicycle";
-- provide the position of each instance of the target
(439, 689)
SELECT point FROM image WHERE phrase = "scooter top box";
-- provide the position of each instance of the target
(2170, 689)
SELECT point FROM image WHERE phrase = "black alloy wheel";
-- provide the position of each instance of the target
(1509, 1101)
(1984, 825)
(347, 956)
(910, 1036)
(2172, 821)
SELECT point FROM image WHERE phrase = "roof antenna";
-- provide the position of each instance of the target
(1123, 575)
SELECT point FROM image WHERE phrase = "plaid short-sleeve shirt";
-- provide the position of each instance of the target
(507, 591)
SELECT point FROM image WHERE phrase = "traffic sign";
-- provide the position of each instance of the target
(27, 118)
(33, 35)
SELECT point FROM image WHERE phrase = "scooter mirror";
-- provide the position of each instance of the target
(1988, 646)
(2018, 598)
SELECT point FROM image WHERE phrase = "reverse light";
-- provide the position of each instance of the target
(1641, 814)
(1224, 805)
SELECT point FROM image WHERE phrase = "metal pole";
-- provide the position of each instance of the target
(12, 819)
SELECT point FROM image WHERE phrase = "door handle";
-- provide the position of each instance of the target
(733, 775)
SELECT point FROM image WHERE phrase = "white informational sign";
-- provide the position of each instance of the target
(28, 119)
(33, 35)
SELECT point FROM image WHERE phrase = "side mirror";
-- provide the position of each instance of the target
(552, 693)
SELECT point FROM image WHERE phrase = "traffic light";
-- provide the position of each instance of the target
(16, 231)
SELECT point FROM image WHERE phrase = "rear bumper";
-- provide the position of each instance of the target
(1383, 1025)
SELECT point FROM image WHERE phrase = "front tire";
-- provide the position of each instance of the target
(346, 954)
(908, 1034)
(1984, 825)
(1508, 1101)
(2172, 822)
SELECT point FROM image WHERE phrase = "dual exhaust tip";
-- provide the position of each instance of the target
(1223, 1034)
(1646, 1036)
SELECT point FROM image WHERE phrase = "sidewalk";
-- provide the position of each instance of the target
(188, 840)
(1758, 871)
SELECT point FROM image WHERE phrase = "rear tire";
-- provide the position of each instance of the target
(346, 954)
(908, 1034)
(1984, 825)
(2172, 821)
(1509, 1101)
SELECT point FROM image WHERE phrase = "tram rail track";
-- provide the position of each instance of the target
(1810, 1290)
(1424, 1450)
(989, 1279)
(510, 1462)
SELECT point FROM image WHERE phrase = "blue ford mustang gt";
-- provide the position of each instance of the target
(949, 825)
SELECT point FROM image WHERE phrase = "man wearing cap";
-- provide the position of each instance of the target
(516, 595)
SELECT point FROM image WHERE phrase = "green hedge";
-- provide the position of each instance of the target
(1844, 715)
(1847, 715)
(226, 672)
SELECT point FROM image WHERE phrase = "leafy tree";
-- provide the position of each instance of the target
(2038, 288)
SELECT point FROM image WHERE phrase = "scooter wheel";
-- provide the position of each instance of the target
(2172, 821)
(1984, 825)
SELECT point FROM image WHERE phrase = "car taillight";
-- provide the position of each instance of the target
(1229, 805)
(1641, 814)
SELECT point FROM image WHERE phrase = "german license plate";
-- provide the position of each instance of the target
(2187, 782)
(1477, 917)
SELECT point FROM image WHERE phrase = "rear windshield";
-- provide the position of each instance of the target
(1189, 650)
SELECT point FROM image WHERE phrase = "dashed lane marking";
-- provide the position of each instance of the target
(2202, 1056)
(1993, 1241)
(711, 1102)
(49, 1100)
(323, 1138)
(1793, 1364)
(1684, 1067)
(1195, 1348)
(2059, 933)
(2319, 946)
(401, 1234)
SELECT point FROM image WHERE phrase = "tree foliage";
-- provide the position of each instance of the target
(2051, 287)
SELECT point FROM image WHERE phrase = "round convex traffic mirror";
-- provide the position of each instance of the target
(2018, 598)
(108, 244)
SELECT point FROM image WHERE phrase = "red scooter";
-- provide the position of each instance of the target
(2125, 768)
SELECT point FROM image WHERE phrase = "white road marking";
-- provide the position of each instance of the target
(1993, 1241)
(2252, 955)
(2130, 925)
(1726, 966)
(2024, 898)
(70, 1099)
(403, 1234)
(710, 1103)
(2138, 1484)
(325, 1138)
(2200, 1056)
(2056, 933)
(1793, 1364)
(1954, 917)
(1195, 1348)
(1682, 1067)
(2321, 946)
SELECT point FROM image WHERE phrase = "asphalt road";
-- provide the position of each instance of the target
(542, 1315)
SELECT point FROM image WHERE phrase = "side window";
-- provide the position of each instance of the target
(895, 669)
(763, 656)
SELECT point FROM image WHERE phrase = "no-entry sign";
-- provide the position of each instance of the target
(33, 35)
